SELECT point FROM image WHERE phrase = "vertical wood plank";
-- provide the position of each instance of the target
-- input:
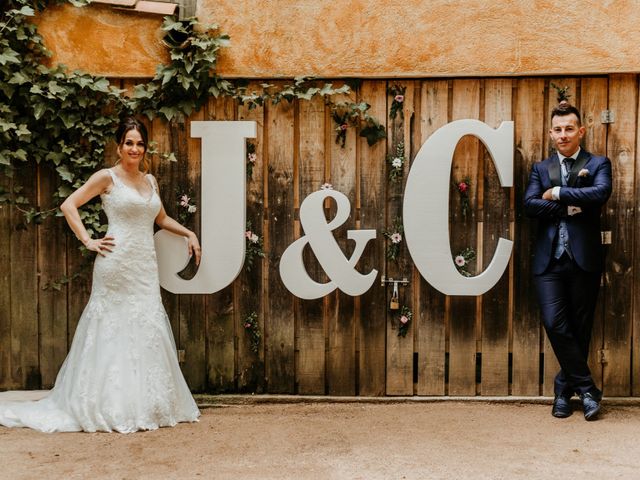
(529, 118)
(340, 307)
(6, 223)
(463, 228)
(249, 286)
(372, 318)
(279, 359)
(399, 349)
(165, 173)
(496, 219)
(593, 100)
(192, 307)
(430, 305)
(52, 261)
(310, 344)
(24, 283)
(219, 306)
(623, 93)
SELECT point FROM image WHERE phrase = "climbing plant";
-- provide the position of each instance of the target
(64, 120)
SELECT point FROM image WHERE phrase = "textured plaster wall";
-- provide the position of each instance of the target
(368, 38)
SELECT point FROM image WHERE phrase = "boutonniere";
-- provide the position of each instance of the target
(583, 173)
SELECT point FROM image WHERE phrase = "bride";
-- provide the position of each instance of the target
(122, 371)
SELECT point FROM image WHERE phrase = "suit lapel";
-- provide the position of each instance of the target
(581, 161)
(554, 171)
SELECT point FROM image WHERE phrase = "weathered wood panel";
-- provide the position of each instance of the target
(496, 219)
(250, 286)
(430, 314)
(343, 345)
(310, 156)
(279, 318)
(52, 301)
(529, 117)
(371, 202)
(399, 349)
(463, 228)
(340, 307)
(618, 297)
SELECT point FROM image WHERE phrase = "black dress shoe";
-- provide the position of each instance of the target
(591, 405)
(561, 407)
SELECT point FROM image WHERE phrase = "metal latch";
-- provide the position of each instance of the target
(606, 237)
(607, 116)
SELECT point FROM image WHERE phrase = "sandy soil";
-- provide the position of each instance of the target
(344, 441)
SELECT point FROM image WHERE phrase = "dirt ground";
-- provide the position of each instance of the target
(445, 440)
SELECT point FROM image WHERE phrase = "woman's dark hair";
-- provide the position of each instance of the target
(131, 123)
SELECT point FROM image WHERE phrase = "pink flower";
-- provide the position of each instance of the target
(326, 186)
(463, 187)
(184, 201)
(404, 319)
(399, 98)
(460, 261)
(396, 238)
(344, 126)
(252, 157)
(247, 325)
(248, 234)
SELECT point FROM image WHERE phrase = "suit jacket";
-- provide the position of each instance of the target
(588, 192)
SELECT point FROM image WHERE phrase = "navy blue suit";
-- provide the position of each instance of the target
(568, 287)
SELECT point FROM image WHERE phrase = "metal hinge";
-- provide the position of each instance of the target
(181, 356)
(602, 356)
(607, 116)
(606, 237)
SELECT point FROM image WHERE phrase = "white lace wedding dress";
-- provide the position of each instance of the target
(122, 370)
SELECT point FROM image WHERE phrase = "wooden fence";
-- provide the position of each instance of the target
(341, 345)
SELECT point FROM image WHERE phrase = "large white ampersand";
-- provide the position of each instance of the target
(340, 270)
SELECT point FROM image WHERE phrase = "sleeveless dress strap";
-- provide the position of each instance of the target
(114, 177)
(152, 181)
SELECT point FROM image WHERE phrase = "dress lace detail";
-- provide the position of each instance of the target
(122, 371)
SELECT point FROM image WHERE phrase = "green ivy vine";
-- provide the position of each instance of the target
(65, 120)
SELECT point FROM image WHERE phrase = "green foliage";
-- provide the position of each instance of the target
(64, 120)
(252, 328)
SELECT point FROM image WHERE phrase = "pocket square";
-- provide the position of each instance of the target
(583, 173)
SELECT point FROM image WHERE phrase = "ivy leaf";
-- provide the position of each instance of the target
(27, 11)
(9, 56)
(373, 133)
(39, 109)
(65, 173)
(101, 85)
(20, 154)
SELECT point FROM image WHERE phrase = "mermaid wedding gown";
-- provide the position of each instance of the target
(122, 371)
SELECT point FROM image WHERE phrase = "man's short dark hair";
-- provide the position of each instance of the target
(565, 108)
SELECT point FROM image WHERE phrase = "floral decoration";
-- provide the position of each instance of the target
(326, 186)
(404, 317)
(253, 249)
(562, 92)
(341, 120)
(396, 163)
(347, 115)
(252, 156)
(462, 260)
(253, 330)
(463, 188)
(397, 92)
(186, 208)
(395, 237)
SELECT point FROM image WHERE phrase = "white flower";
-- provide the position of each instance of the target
(192, 209)
(326, 186)
(396, 238)
(252, 157)
(254, 238)
(460, 261)
(396, 162)
(404, 319)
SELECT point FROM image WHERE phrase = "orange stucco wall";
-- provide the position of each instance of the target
(367, 38)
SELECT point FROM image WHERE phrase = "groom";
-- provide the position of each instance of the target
(565, 193)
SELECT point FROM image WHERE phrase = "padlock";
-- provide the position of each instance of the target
(395, 300)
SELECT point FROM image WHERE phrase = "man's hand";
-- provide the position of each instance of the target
(547, 195)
